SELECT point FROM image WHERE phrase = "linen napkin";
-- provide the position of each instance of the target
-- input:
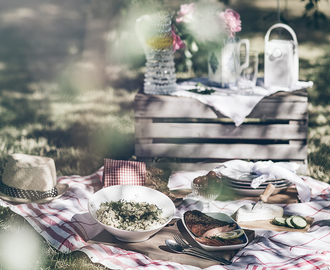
(123, 172)
(263, 169)
(182, 179)
(233, 103)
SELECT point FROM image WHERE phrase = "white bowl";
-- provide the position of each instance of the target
(137, 194)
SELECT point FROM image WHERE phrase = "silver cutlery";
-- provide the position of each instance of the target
(174, 246)
(187, 246)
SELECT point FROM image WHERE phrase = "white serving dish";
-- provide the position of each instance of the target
(280, 185)
(248, 183)
(255, 192)
(237, 176)
(222, 217)
(137, 194)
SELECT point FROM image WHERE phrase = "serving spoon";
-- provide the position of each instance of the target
(174, 246)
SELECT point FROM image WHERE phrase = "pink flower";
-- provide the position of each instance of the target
(185, 14)
(231, 21)
(177, 42)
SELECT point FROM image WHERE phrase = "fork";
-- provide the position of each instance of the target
(187, 246)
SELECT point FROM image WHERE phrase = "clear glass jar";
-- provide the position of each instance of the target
(155, 33)
(207, 191)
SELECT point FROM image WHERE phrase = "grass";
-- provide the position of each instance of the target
(55, 102)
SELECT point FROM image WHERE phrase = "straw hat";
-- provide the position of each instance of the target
(29, 178)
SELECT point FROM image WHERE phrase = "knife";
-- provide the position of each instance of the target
(264, 197)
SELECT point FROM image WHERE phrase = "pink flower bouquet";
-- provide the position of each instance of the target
(231, 21)
(205, 23)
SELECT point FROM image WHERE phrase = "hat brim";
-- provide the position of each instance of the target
(61, 189)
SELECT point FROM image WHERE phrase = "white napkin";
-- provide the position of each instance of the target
(233, 103)
(263, 169)
(182, 180)
(270, 170)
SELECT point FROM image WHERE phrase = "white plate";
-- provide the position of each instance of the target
(262, 187)
(273, 181)
(254, 192)
(222, 217)
(237, 176)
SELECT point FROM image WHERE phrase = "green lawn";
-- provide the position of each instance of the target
(55, 100)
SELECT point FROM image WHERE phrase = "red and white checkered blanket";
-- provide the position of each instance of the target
(67, 225)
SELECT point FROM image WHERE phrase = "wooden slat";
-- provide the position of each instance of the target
(223, 151)
(171, 107)
(277, 110)
(278, 106)
(207, 166)
(220, 131)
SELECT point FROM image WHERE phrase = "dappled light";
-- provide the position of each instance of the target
(23, 244)
(71, 73)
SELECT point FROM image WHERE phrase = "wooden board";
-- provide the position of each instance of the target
(223, 151)
(156, 249)
(266, 224)
(287, 196)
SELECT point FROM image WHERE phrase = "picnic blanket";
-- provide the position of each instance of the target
(67, 225)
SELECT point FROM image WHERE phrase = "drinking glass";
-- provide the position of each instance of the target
(248, 76)
(207, 188)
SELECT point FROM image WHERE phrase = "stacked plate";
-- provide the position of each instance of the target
(240, 182)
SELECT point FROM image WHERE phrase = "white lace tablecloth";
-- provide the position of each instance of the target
(233, 103)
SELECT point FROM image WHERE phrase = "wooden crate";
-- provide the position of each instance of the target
(184, 134)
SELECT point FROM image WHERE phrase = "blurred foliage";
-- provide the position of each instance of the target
(313, 15)
(319, 74)
(123, 47)
(44, 115)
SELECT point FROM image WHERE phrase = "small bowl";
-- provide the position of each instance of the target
(137, 194)
(208, 192)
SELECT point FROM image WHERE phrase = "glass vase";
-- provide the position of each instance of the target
(155, 34)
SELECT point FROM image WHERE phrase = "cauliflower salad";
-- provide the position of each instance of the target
(129, 215)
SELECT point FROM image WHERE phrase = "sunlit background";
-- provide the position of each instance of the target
(69, 71)
(20, 249)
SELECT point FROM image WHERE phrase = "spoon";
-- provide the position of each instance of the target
(173, 245)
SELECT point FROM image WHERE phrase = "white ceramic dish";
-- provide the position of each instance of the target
(262, 187)
(254, 192)
(273, 181)
(137, 194)
(223, 217)
(237, 176)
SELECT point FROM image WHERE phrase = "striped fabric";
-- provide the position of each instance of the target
(123, 172)
(67, 225)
